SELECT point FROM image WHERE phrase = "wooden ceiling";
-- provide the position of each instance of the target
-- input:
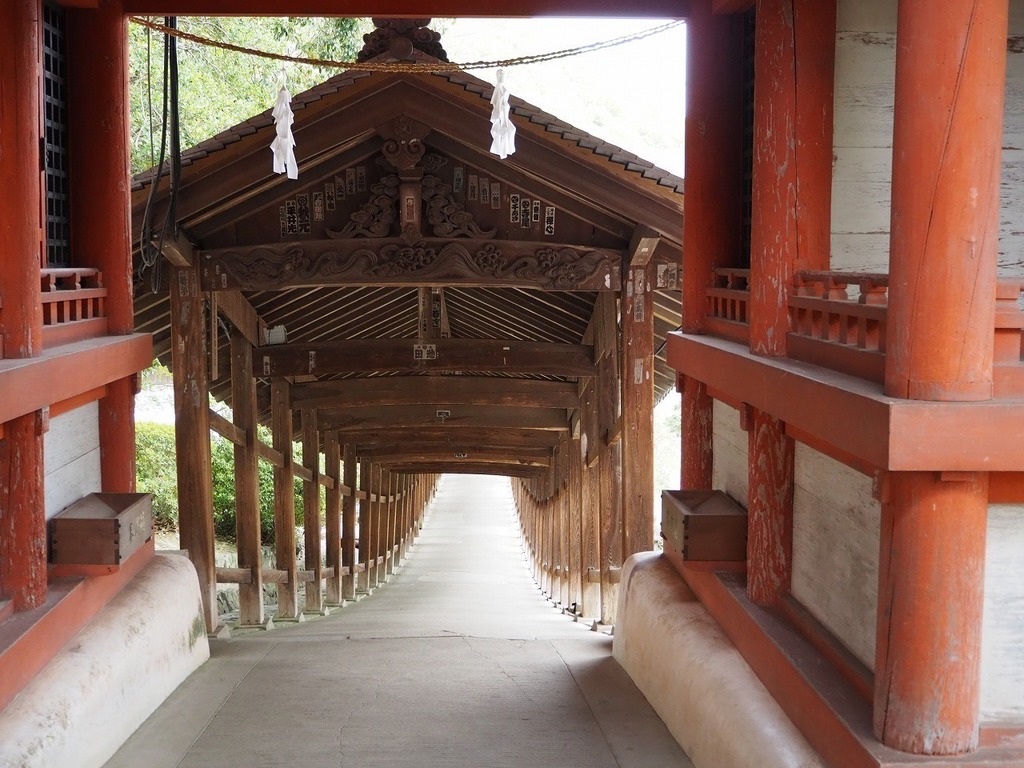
(436, 299)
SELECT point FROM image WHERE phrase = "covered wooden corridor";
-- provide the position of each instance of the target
(458, 662)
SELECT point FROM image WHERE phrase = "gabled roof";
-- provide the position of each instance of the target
(603, 199)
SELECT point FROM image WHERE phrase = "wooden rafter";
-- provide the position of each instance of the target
(362, 355)
(462, 390)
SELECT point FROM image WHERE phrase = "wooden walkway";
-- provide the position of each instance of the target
(457, 662)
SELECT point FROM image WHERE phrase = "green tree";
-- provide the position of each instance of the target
(156, 471)
(220, 88)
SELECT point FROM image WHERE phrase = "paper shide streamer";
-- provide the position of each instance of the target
(503, 131)
(283, 145)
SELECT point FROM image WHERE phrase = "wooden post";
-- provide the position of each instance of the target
(98, 136)
(638, 411)
(378, 512)
(348, 525)
(248, 528)
(769, 508)
(590, 502)
(392, 537)
(192, 432)
(940, 324)
(610, 453)
(697, 435)
(284, 499)
(930, 598)
(575, 525)
(311, 511)
(365, 538)
(939, 347)
(794, 63)
(713, 208)
(23, 524)
(332, 515)
(563, 523)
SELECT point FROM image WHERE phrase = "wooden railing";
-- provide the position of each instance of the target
(728, 305)
(74, 302)
(838, 321)
(830, 328)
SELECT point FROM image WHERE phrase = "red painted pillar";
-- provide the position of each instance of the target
(23, 523)
(101, 203)
(794, 62)
(950, 79)
(712, 208)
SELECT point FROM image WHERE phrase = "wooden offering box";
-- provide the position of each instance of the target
(101, 529)
(704, 525)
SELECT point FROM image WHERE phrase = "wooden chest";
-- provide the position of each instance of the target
(704, 525)
(101, 529)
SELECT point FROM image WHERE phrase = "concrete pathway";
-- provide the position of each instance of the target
(458, 662)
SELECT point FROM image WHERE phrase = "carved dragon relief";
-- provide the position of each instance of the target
(447, 217)
(534, 265)
(375, 217)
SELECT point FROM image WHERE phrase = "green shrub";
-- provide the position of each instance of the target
(156, 471)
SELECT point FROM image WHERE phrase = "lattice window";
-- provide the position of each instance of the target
(55, 136)
(749, 27)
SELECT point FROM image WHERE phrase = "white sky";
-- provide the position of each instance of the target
(631, 95)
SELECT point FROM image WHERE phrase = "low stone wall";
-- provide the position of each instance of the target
(694, 677)
(112, 675)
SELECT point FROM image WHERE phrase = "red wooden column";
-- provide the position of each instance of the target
(101, 203)
(23, 524)
(638, 411)
(332, 518)
(192, 432)
(348, 524)
(311, 510)
(284, 499)
(794, 63)
(945, 208)
(712, 208)
(247, 484)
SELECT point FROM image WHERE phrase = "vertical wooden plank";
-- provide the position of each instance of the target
(610, 454)
(23, 522)
(332, 518)
(21, 194)
(930, 597)
(712, 211)
(942, 281)
(378, 512)
(575, 525)
(284, 499)
(97, 74)
(563, 523)
(365, 536)
(638, 411)
(697, 435)
(248, 533)
(348, 524)
(590, 502)
(770, 509)
(192, 432)
(392, 537)
(311, 510)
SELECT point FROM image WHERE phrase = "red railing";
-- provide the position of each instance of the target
(74, 302)
(830, 328)
(728, 303)
(838, 321)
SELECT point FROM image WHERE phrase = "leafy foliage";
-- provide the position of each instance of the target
(219, 88)
(156, 473)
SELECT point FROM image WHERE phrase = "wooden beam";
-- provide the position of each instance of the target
(462, 390)
(379, 355)
(451, 417)
(642, 247)
(368, 439)
(414, 448)
(458, 458)
(470, 468)
(237, 309)
(460, 262)
(655, 9)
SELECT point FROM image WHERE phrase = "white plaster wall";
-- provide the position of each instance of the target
(71, 457)
(835, 548)
(729, 471)
(1002, 655)
(862, 151)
